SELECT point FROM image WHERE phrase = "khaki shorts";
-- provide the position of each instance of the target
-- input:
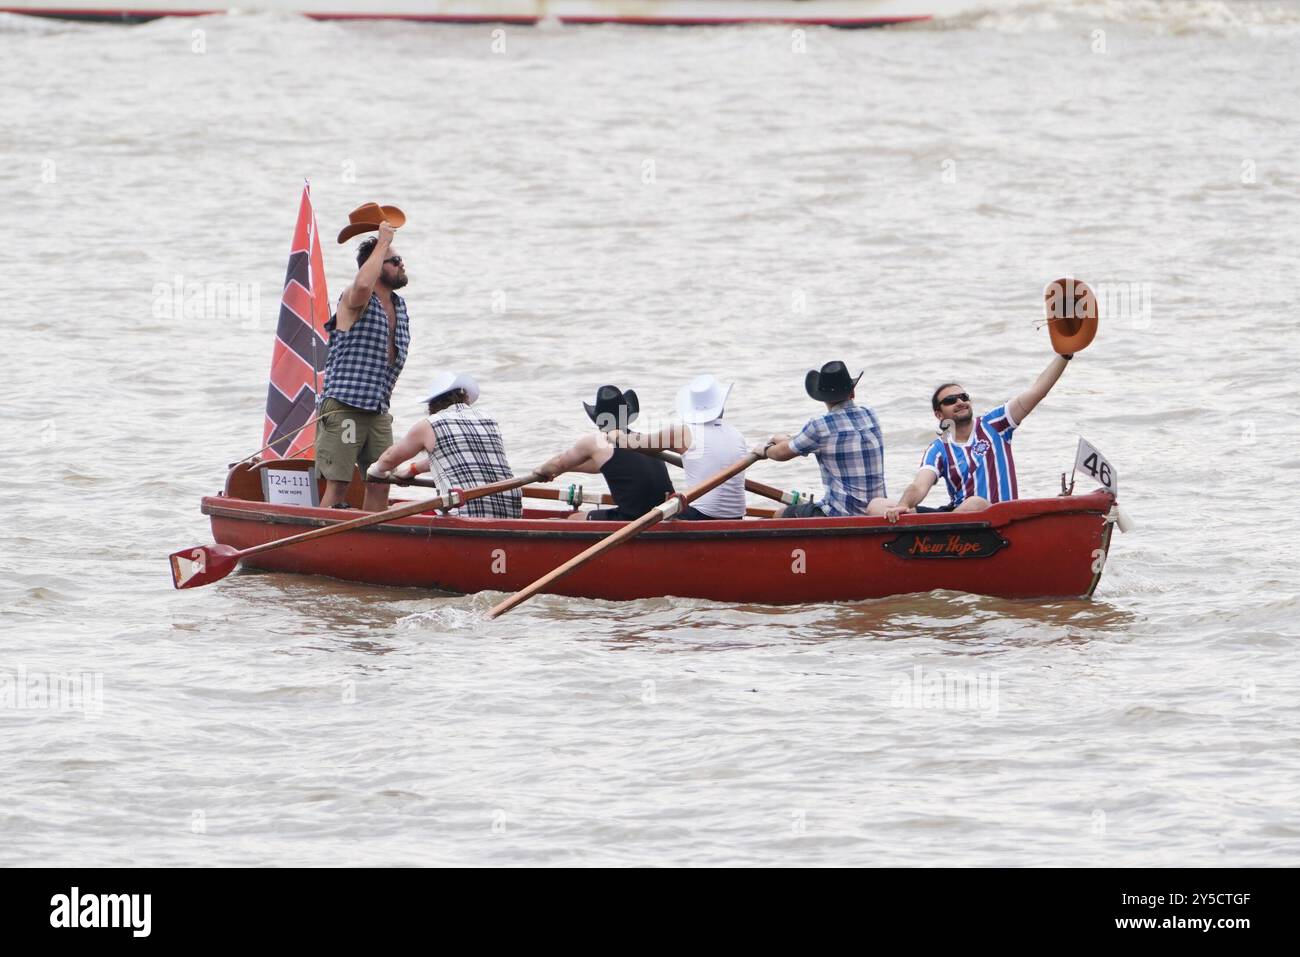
(350, 437)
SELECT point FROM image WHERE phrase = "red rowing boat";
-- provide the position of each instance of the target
(1030, 548)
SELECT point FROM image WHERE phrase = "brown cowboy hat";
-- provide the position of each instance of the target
(367, 217)
(1071, 314)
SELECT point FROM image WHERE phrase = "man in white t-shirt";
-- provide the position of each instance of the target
(707, 446)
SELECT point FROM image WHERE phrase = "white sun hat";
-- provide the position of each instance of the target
(703, 400)
(445, 381)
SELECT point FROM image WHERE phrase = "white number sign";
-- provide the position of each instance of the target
(1092, 463)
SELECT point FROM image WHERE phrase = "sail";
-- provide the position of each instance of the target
(300, 342)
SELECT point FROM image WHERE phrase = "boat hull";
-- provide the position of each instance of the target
(1035, 548)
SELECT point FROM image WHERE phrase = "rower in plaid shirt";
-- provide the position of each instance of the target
(850, 449)
(464, 449)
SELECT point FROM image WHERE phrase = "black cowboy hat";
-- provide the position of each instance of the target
(832, 384)
(609, 401)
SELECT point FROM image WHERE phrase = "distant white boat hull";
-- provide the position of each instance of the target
(840, 13)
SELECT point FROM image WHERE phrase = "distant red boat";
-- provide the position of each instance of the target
(1030, 548)
(838, 13)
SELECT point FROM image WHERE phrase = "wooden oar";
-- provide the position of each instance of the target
(758, 488)
(667, 510)
(591, 498)
(569, 495)
(205, 564)
(573, 494)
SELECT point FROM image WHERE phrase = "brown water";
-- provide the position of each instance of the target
(637, 206)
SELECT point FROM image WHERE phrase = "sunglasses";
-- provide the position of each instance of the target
(954, 399)
(394, 260)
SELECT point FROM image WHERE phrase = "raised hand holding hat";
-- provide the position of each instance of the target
(367, 217)
(1071, 315)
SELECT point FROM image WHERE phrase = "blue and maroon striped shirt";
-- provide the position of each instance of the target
(980, 466)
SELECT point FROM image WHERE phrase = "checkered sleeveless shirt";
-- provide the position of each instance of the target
(356, 369)
(468, 451)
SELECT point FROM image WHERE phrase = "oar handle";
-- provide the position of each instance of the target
(772, 492)
(667, 510)
(452, 499)
(572, 496)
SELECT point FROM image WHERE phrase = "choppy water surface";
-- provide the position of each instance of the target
(636, 206)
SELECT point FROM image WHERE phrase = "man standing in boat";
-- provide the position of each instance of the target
(850, 449)
(973, 454)
(637, 482)
(369, 338)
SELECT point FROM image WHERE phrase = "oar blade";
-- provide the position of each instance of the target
(193, 567)
(202, 565)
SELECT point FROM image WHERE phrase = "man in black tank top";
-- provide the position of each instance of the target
(636, 482)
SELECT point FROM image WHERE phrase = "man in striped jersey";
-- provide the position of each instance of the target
(972, 455)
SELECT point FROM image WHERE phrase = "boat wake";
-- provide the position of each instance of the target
(1280, 17)
(465, 615)
(13, 24)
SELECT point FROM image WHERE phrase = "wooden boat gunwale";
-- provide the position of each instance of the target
(538, 527)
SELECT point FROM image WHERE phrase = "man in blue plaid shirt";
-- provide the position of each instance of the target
(850, 449)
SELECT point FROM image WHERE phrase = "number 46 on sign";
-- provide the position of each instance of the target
(1090, 461)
